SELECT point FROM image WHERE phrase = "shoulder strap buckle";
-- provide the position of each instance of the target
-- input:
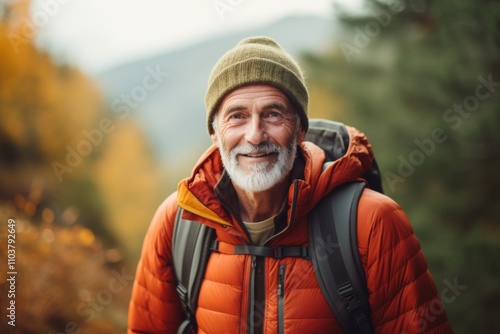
(348, 295)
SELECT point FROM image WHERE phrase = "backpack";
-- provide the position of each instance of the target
(332, 243)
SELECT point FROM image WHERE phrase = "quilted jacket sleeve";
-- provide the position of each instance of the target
(155, 306)
(403, 295)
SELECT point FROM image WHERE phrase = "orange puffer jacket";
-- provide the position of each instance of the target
(402, 293)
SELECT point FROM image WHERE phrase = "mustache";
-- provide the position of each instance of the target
(264, 148)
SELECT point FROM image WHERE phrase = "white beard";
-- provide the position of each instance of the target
(263, 175)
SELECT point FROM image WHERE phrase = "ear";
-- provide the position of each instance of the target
(301, 136)
(213, 137)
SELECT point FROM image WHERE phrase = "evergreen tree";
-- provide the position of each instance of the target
(422, 80)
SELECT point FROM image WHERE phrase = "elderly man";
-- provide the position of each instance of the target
(255, 186)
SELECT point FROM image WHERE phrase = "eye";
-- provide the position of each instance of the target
(274, 115)
(235, 116)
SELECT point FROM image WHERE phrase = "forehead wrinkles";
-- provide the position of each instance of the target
(273, 102)
(261, 102)
(252, 92)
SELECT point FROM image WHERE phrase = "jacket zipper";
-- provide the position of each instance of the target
(292, 214)
(251, 302)
(256, 301)
(281, 299)
(255, 321)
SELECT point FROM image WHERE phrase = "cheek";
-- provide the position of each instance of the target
(230, 138)
(223, 145)
(284, 137)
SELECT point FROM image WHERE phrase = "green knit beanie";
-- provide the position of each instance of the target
(257, 60)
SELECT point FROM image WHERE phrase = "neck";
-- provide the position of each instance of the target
(255, 207)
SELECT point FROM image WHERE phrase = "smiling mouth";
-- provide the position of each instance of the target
(258, 155)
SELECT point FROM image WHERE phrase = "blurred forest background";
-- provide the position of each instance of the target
(420, 78)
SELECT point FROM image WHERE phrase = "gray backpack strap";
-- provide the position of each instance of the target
(336, 260)
(190, 251)
(333, 138)
(337, 265)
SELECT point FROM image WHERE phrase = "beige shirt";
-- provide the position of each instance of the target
(260, 231)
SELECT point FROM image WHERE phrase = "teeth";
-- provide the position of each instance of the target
(256, 155)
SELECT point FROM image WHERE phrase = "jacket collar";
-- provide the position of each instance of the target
(209, 197)
(226, 193)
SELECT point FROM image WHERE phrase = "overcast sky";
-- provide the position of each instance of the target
(96, 34)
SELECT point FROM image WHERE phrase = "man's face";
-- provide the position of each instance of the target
(257, 131)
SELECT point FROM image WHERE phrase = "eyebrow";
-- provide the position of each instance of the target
(278, 106)
(281, 107)
(235, 108)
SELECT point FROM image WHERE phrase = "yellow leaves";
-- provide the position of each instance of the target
(19, 200)
(43, 106)
(128, 180)
(48, 215)
(48, 109)
(70, 215)
(24, 204)
(86, 237)
(13, 126)
(55, 264)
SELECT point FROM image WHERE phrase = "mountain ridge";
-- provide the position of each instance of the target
(173, 113)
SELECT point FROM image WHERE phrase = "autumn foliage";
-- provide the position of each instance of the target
(80, 222)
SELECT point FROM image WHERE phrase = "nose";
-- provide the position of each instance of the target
(256, 131)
